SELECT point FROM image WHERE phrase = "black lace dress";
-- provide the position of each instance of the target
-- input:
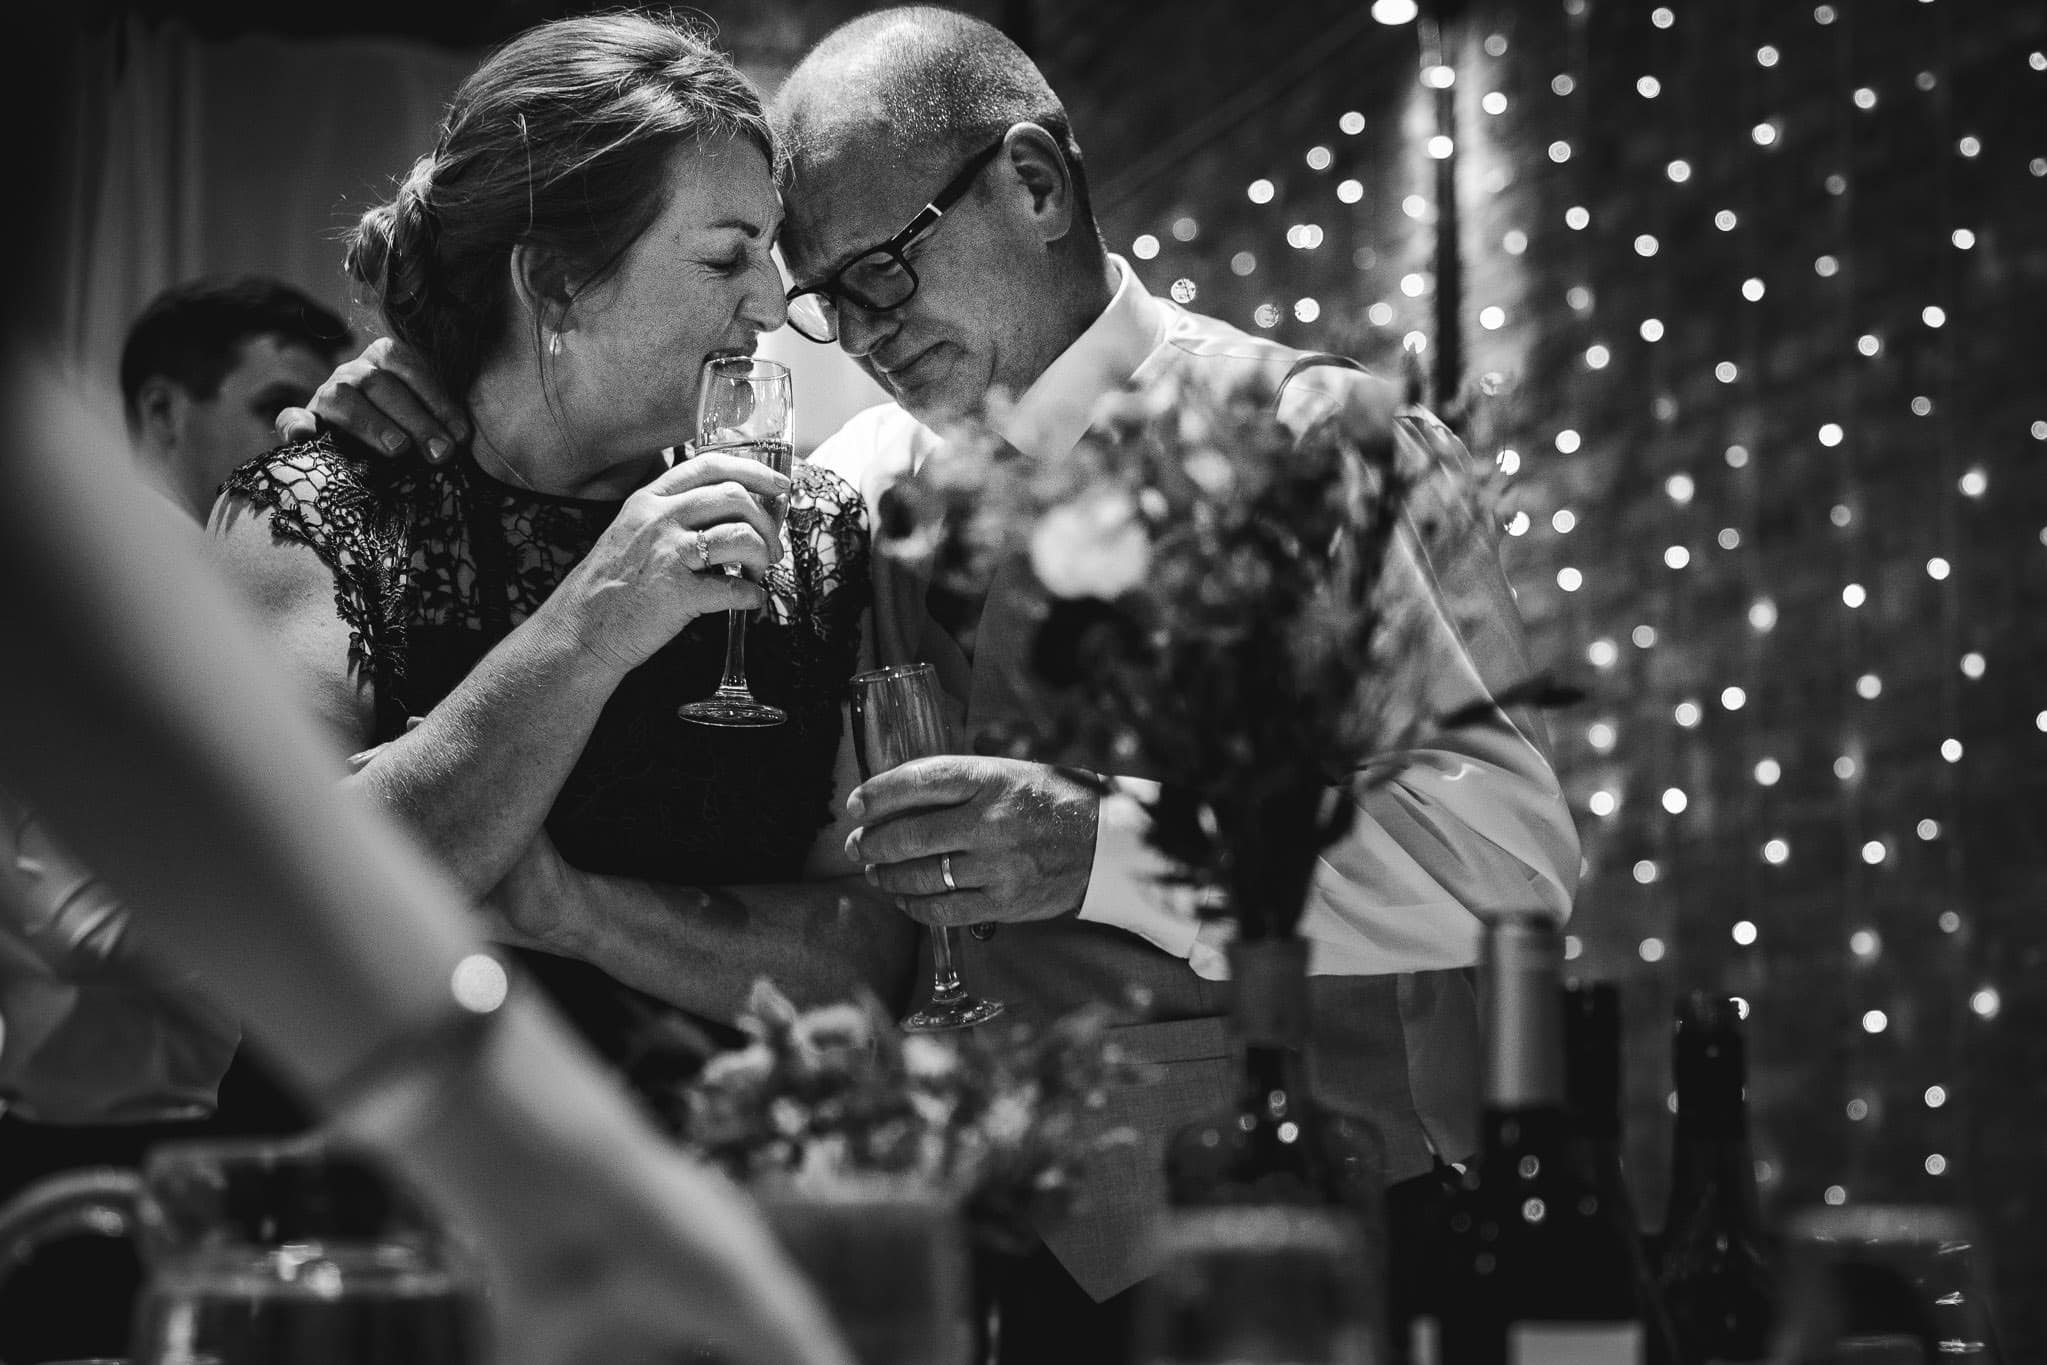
(433, 566)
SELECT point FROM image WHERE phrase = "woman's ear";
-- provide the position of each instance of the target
(1031, 156)
(542, 286)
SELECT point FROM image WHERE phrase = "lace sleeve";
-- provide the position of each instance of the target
(828, 542)
(339, 507)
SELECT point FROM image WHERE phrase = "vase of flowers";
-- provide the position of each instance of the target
(1229, 605)
(890, 1162)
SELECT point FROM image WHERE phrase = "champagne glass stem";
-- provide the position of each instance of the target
(735, 652)
(945, 978)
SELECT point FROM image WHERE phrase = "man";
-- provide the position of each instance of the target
(206, 369)
(1007, 286)
(938, 228)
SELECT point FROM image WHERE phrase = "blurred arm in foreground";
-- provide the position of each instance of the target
(143, 718)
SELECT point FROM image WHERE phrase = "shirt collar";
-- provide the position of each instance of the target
(1056, 411)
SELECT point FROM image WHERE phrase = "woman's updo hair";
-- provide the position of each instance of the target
(559, 141)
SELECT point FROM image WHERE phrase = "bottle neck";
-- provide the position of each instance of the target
(1711, 1163)
(1269, 993)
(1523, 1020)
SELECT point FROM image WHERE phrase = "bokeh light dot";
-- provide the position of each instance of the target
(1744, 932)
(1145, 247)
(1768, 770)
(1688, 714)
(1733, 698)
(1986, 1002)
(1776, 852)
(1875, 1021)
(1569, 579)
(1645, 871)
(1651, 950)
(1951, 750)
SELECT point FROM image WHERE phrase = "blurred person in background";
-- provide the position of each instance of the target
(205, 370)
(104, 1052)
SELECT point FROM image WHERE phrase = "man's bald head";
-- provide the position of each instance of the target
(917, 85)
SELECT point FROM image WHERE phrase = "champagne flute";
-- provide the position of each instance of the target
(897, 716)
(745, 406)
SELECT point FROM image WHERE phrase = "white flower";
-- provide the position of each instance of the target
(745, 1066)
(1092, 547)
(1009, 1117)
(927, 1059)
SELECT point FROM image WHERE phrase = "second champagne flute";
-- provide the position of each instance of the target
(897, 716)
(745, 406)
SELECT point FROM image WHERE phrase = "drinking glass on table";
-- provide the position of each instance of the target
(1260, 1282)
(271, 1253)
(1884, 1284)
(898, 716)
(745, 406)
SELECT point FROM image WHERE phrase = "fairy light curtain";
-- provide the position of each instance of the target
(1751, 305)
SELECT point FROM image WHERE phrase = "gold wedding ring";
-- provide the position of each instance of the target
(945, 871)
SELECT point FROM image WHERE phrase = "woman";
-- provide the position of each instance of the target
(507, 637)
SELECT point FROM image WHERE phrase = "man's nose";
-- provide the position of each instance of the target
(861, 330)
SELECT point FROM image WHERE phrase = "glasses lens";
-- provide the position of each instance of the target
(815, 316)
(879, 279)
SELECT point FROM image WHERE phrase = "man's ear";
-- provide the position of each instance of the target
(543, 288)
(1031, 157)
(159, 404)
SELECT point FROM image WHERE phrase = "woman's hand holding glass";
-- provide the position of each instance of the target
(661, 563)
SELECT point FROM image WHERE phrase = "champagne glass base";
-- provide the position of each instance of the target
(735, 710)
(940, 1015)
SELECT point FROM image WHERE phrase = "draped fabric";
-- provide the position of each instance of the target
(186, 156)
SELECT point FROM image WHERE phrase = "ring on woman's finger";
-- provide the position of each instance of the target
(945, 871)
(703, 551)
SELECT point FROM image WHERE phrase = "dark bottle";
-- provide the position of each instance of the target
(1715, 1276)
(1275, 1144)
(1592, 1083)
(1540, 1278)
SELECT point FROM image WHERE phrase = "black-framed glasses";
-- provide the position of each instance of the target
(879, 278)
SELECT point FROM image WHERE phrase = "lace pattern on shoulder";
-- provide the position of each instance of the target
(349, 512)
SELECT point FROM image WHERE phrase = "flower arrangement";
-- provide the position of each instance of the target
(1213, 594)
(996, 1116)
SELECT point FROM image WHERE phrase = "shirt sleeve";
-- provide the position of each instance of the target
(1469, 821)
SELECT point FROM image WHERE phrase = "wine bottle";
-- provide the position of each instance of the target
(1541, 1277)
(1715, 1277)
(1592, 1084)
(1275, 1144)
